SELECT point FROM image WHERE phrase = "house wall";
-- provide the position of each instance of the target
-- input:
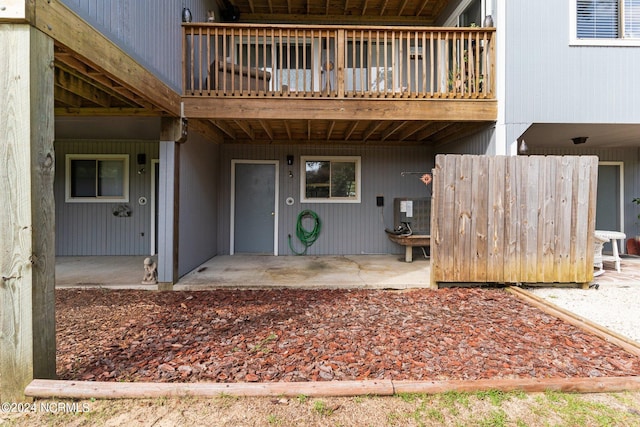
(547, 80)
(148, 30)
(347, 228)
(480, 143)
(199, 186)
(91, 228)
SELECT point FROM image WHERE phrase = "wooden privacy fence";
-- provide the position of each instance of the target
(519, 219)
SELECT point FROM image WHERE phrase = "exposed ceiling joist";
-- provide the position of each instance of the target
(224, 127)
(267, 128)
(246, 128)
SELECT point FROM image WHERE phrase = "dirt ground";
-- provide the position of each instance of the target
(450, 409)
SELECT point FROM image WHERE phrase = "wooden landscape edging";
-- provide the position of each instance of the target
(118, 390)
(576, 320)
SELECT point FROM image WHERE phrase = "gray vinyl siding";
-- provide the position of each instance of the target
(346, 228)
(480, 143)
(198, 203)
(549, 81)
(148, 30)
(91, 228)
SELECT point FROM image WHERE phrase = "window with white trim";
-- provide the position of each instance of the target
(608, 19)
(97, 178)
(330, 179)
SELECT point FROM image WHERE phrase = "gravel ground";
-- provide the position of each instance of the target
(615, 306)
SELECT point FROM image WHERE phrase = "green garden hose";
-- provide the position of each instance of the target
(307, 237)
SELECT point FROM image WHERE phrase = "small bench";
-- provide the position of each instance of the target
(409, 242)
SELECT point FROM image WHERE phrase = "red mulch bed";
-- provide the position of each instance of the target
(315, 335)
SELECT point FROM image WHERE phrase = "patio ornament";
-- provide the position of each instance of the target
(150, 272)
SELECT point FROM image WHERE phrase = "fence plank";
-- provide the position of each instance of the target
(448, 199)
(563, 218)
(495, 196)
(511, 222)
(463, 218)
(479, 220)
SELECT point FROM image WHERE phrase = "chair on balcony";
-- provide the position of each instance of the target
(230, 76)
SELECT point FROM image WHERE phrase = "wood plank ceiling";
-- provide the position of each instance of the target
(82, 89)
(423, 12)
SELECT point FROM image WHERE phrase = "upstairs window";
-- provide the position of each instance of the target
(97, 178)
(331, 179)
(607, 19)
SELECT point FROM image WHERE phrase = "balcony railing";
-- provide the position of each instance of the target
(240, 60)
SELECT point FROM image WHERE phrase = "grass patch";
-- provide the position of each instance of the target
(574, 409)
(321, 408)
(261, 346)
(497, 397)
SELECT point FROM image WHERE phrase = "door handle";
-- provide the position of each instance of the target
(273, 214)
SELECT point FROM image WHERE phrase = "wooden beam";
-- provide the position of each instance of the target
(412, 130)
(66, 97)
(27, 278)
(63, 25)
(103, 83)
(350, 129)
(246, 128)
(338, 109)
(207, 130)
(371, 129)
(81, 88)
(92, 112)
(384, 387)
(421, 7)
(267, 128)
(342, 19)
(224, 127)
(404, 4)
(287, 127)
(430, 130)
(384, 7)
(330, 130)
(392, 129)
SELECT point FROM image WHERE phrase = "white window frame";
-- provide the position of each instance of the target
(303, 179)
(97, 199)
(575, 41)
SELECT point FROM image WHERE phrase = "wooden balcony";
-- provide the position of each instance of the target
(330, 62)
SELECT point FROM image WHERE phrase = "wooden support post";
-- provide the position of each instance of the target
(173, 132)
(27, 251)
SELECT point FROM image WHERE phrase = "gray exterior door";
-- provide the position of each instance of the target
(608, 205)
(254, 207)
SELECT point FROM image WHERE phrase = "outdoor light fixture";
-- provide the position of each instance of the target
(523, 147)
(579, 139)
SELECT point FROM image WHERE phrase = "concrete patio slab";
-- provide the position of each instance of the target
(252, 271)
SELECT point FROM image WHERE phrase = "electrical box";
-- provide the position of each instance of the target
(415, 211)
(379, 200)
